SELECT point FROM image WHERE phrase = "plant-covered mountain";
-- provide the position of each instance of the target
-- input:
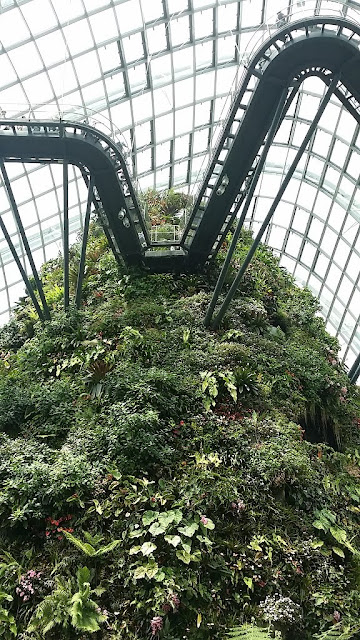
(159, 479)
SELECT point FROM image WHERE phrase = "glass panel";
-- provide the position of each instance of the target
(39, 16)
(25, 59)
(309, 106)
(156, 39)
(38, 89)
(205, 85)
(227, 17)
(129, 15)
(142, 107)
(63, 78)
(226, 49)
(121, 115)
(163, 100)
(339, 153)
(87, 67)
(204, 55)
(251, 18)
(109, 57)
(143, 160)
(103, 26)
(163, 154)
(152, 10)
(353, 165)
(13, 28)
(133, 48)
(180, 31)
(161, 70)
(322, 142)
(177, 5)
(200, 140)
(346, 127)
(308, 254)
(182, 147)
(78, 36)
(115, 86)
(204, 23)
(69, 9)
(164, 127)
(293, 244)
(184, 120)
(183, 62)
(321, 265)
(138, 78)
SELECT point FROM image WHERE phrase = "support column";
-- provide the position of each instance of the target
(66, 233)
(84, 244)
(27, 283)
(354, 372)
(21, 229)
(274, 205)
(278, 117)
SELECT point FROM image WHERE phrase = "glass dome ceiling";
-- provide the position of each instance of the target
(159, 75)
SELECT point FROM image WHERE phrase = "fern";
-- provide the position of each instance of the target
(248, 632)
(61, 608)
(88, 549)
(53, 610)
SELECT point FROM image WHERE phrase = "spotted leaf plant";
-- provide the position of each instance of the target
(171, 534)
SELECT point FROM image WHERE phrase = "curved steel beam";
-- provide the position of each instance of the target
(316, 46)
(80, 144)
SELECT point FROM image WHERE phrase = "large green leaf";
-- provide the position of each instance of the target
(83, 576)
(338, 534)
(166, 518)
(174, 540)
(249, 582)
(147, 548)
(208, 524)
(139, 573)
(189, 530)
(156, 529)
(134, 550)
(152, 569)
(149, 517)
(184, 556)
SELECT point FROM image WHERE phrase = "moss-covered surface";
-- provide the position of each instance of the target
(159, 479)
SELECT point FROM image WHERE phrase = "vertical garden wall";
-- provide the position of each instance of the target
(159, 479)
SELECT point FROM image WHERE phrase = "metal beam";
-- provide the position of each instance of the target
(66, 233)
(278, 117)
(354, 372)
(105, 227)
(21, 229)
(84, 243)
(274, 205)
(24, 276)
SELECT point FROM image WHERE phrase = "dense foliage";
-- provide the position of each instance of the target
(165, 207)
(163, 480)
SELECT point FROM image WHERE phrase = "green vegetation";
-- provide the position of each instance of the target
(159, 479)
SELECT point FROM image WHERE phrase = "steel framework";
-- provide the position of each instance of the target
(324, 47)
